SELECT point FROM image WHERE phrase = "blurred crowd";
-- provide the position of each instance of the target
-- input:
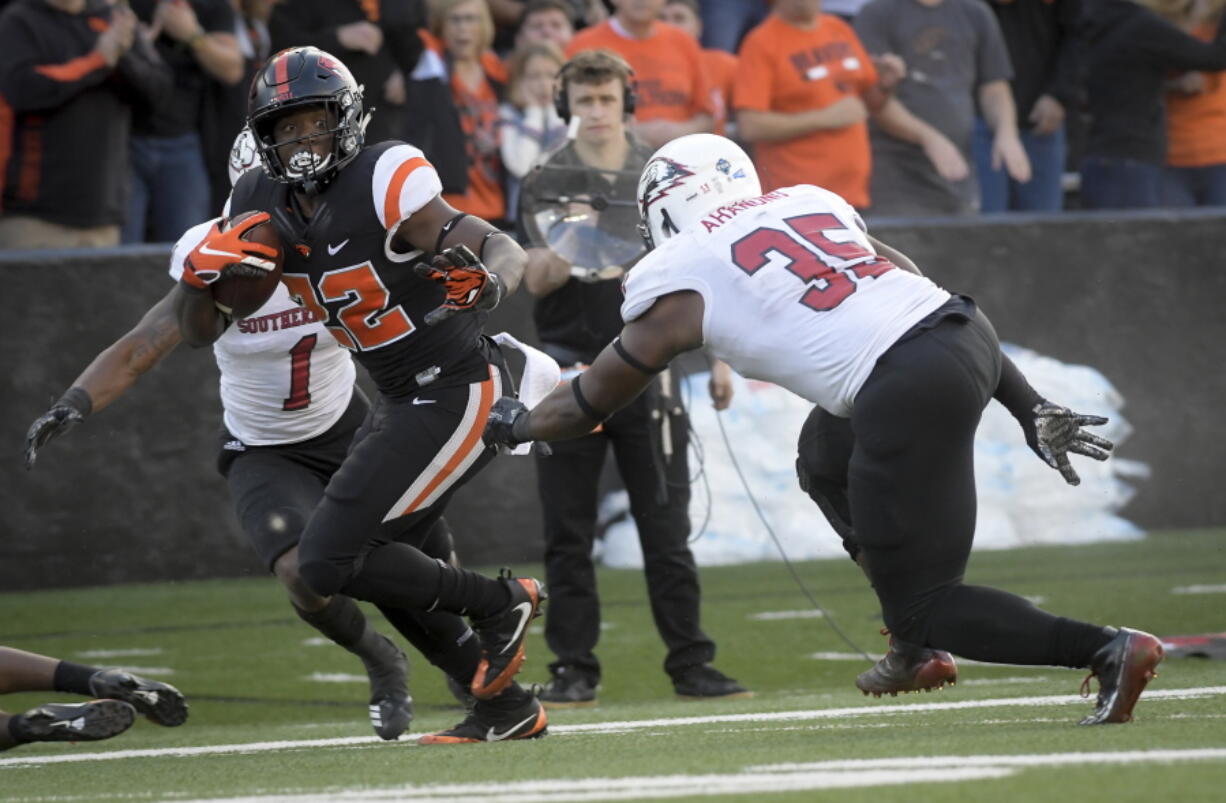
(117, 116)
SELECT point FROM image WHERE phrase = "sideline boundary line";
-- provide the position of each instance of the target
(607, 727)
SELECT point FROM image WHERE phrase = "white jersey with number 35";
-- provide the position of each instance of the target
(794, 293)
(284, 378)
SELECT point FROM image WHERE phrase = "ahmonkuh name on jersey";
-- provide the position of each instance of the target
(725, 213)
(288, 319)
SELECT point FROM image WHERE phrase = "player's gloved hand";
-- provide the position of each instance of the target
(70, 410)
(1052, 432)
(227, 251)
(469, 284)
(507, 427)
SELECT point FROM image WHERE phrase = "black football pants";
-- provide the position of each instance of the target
(568, 483)
(911, 489)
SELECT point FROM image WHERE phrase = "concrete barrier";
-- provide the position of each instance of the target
(133, 495)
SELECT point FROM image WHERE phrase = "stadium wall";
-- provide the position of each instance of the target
(133, 494)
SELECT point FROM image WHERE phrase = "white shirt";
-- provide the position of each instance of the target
(793, 293)
(284, 378)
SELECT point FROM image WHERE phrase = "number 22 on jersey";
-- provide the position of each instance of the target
(807, 250)
(364, 323)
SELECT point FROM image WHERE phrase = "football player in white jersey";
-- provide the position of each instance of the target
(789, 288)
(290, 410)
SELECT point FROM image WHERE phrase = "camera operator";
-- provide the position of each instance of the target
(578, 221)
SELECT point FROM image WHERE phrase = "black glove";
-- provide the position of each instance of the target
(1053, 431)
(70, 410)
(469, 284)
(507, 425)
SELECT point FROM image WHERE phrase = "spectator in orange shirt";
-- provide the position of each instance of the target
(1195, 173)
(466, 31)
(674, 97)
(804, 89)
(719, 65)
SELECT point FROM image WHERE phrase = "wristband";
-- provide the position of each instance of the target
(519, 429)
(194, 38)
(78, 399)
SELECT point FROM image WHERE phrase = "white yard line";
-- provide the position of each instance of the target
(772, 778)
(119, 653)
(867, 710)
(772, 616)
(336, 677)
(1199, 589)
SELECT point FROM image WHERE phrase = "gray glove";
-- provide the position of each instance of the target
(70, 410)
(1052, 432)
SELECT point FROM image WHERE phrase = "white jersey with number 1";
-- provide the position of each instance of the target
(793, 292)
(284, 378)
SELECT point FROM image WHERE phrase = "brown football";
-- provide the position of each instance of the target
(242, 290)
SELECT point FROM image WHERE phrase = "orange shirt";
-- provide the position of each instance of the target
(785, 69)
(1196, 124)
(479, 119)
(668, 69)
(720, 66)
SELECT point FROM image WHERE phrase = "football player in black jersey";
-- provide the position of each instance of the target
(400, 278)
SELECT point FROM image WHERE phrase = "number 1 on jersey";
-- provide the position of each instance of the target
(300, 374)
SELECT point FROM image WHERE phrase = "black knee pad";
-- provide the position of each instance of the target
(321, 576)
(831, 500)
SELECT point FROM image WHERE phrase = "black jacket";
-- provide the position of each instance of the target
(66, 114)
(1042, 39)
(1129, 52)
(314, 22)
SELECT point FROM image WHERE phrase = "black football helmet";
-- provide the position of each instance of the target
(299, 77)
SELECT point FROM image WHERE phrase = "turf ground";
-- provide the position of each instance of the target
(277, 716)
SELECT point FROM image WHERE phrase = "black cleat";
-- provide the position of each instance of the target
(502, 636)
(907, 668)
(74, 722)
(1123, 667)
(391, 707)
(569, 688)
(496, 721)
(705, 682)
(161, 703)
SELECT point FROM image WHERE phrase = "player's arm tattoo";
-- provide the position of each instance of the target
(123, 362)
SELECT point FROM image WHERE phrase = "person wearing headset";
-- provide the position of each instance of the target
(590, 182)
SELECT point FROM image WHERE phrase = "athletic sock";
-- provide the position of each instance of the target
(1076, 642)
(340, 620)
(444, 639)
(469, 593)
(986, 624)
(74, 678)
(400, 576)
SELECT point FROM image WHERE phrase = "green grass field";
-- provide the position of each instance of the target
(275, 716)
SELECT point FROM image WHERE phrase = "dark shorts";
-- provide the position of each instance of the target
(276, 488)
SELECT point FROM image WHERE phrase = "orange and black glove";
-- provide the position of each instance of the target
(469, 284)
(221, 249)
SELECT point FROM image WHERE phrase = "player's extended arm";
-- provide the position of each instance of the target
(620, 373)
(1052, 431)
(894, 255)
(110, 375)
(492, 267)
